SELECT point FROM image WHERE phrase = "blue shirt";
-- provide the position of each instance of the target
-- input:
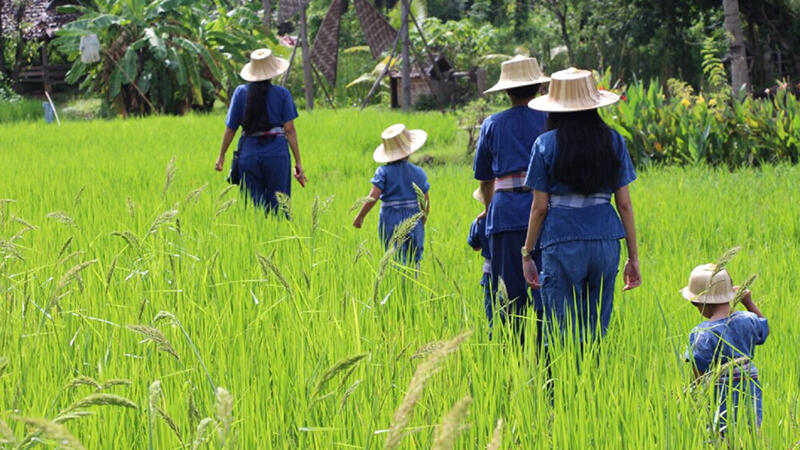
(477, 237)
(280, 109)
(504, 147)
(575, 224)
(716, 342)
(396, 181)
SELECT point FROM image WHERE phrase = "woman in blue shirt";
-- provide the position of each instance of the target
(501, 159)
(266, 114)
(575, 169)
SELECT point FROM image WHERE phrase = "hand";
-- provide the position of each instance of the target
(632, 276)
(747, 298)
(219, 164)
(358, 221)
(299, 175)
(531, 272)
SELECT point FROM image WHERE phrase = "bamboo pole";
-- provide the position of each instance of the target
(308, 81)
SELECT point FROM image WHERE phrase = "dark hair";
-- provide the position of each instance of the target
(256, 118)
(585, 158)
(529, 91)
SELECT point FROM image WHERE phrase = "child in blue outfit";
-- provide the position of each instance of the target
(393, 184)
(724, 345)
(479, 242)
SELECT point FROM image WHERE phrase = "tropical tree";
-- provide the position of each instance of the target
(164, 56)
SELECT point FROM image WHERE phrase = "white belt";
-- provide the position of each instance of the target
(400, 204)
(487, 266)
(510, 182)
(574, 201)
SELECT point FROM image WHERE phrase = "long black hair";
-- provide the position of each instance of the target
(585, 158)
(256, 118)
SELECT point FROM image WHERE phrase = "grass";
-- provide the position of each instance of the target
(263, 333)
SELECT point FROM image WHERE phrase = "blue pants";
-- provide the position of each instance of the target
(507, 264)
(413, 247)
(578, 286)
(264, 173)
(745, 392)
(489, 290)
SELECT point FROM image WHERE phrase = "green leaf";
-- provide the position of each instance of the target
(76, 72)
(157, 46)
(114, 83)
(129, 64)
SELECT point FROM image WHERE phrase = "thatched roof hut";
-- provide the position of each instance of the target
(40, 20)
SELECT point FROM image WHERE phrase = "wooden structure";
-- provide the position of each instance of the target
(39, 21)
(439, 80)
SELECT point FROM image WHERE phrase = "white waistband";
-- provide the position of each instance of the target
(510, 183)
(400, 204)
(487, 266)
(579, 201)
(274, 131)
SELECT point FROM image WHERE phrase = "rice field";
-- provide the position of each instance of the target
(144, 305)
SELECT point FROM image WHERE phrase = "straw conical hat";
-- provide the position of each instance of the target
(478, 195)
(573, 90)
(263, 66)
(517, 72)
(708, 289)
(398, 143)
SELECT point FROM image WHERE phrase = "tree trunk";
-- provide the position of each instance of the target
(733, 26)
(2, 43)
(308, 81)
(267, 14)
(406, 59)
(561, 15)
(19, 53)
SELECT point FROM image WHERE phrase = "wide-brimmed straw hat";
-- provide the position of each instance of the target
(709, 288)
(263, 66)
(478, 195)
(517, 72)
(398, 143)
(573, 90)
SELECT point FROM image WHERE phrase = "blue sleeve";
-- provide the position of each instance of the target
(425, 186)
(627, 173)
(538, 174)
(288, 109)
(760, 329)
(483, 154)
(474, 238)
(379, 179)
(236, 110)
(701, 350)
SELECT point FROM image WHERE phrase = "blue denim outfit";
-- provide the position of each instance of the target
(399, 202)
(579, 241)
(477, 239)
(716, 342)
(504, 147)
(264, 161)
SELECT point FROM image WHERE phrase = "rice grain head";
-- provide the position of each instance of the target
(164, 218)
(201, 435)
(72, 415)
(7, 435)
(268, 266)
(60, 216)
(3, 365)
(52, 431)
(84, 380)
(340, 366)
(725, 259)
(169, 175)
(452, 425)
(192, 196)
(224, 406)
(743, 288)
(102, 399)
(497, 436)
(128, 236)
(154, 335)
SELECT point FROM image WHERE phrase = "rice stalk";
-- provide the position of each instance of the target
(69, 276)
(154, 335)
(421, 200)
(452, 424)
(60, 216)
(130, 206)
(68, 257)
(225, 191)
(224, 407)
(162, 414)
(7, 435)
(361, 202)
(115, 382)
(743, 288)
(102, 399)
(9, 249)
(173, 320)
(317, 209)
(269, 267)
(3, 365)
(77, 199)
(203, 429)
(110, 272)
(84, 380)
(361, 251)
(341, 365)
(383, 264)
(497, 436)
(153, 400)
(284, 204)
(224, 207)
(427, 349)
(169, 175)
(64, 247)
(348, 393)
(726, 258)
(424, 372)
(50, 430)
(128, 236)
(164, 218)
(72, 415)
(194, 194)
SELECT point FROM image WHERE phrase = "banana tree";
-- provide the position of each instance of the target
(165, 56)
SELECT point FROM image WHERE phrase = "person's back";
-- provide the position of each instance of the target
(398, 179)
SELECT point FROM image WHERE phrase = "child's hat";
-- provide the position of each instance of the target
(707, 287)
(398, 143)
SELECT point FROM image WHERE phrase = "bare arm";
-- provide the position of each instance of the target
(374, 194)
(539, 208)
(227, 138)
(749, 304)
(487, 191)
(632, 275)
(291, 135)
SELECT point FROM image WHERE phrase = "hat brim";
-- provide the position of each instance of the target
(547, 104)
(705, 298)
(281, 66)
(478, 195)
(417, 140)
(505, 85)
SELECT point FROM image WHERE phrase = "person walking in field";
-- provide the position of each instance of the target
(393, 183)
(266, 113)
(501, 159)
(479, 242)
(724, 344)
(576, 167)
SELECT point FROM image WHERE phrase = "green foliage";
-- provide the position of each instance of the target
(162, 56)
(463, 41)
